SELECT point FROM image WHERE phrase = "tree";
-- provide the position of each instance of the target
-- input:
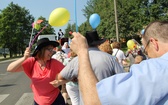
(48, 30)
(15, 28)
(45, 29)
(133, 15)
(70, 27)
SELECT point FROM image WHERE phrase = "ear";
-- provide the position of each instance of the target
(154, 43)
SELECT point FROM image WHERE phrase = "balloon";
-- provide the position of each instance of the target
(143, 31)
(130, 44)
(94, 20)
(37, 26)
(59, 17)
(39, 21)
(33, 25)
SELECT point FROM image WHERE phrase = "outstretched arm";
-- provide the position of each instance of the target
(86, 76)
(58, 81)
(16, 66)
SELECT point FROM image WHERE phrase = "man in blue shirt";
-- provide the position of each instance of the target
(145, 84)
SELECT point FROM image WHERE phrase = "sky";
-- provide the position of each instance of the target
(43, 8)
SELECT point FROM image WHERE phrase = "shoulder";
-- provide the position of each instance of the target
(121, 51)
(150, 65)
(54, 61)
(29, 60)
(100, 55)
(72, 63)
(115, 49)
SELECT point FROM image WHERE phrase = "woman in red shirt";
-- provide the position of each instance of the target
(41, 69)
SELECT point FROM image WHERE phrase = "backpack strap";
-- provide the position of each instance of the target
(116, 53)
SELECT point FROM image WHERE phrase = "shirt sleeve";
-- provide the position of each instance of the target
(70, 71)
(28, 66)
(56, 65)
(60, 67)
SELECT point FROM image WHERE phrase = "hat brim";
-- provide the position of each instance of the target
(53, 43)
(97, 42)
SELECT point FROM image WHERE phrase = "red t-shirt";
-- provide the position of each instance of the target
(44, 92)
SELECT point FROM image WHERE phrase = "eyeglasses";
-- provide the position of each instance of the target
(145, 52)
(50, 49)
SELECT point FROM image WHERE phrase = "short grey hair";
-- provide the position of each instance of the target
(158, 30)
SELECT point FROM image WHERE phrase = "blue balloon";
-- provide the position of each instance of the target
(143, 31)
(94, 20)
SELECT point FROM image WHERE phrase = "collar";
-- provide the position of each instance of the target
(93, 48)
(165, 56)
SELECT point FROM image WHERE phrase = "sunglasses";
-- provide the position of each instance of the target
(50, 49)
(145, 52)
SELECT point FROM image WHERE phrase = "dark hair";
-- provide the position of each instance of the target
(40, 53)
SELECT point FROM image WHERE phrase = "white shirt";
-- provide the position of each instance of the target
(120, 55)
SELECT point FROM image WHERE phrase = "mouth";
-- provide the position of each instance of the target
(49, 55)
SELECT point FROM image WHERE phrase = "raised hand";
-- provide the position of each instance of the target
(79, 43)
(27, 53)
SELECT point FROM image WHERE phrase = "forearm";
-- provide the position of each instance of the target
(87, 80)
(16, 66)
(61, 82)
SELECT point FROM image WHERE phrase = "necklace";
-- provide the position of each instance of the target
(42, 64)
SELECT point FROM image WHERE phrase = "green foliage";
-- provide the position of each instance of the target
(48, 30)
(70, 27)
(16, 27)
(133, 16)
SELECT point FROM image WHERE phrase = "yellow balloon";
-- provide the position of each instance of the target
(59, 17)
(130, 44)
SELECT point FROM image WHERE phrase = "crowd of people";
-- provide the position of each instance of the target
(145, 84)
(91, 71)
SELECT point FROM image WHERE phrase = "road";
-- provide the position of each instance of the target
(14, 87)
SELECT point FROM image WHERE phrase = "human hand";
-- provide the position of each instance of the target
(79, 43)
(27, 53)
(56, 83)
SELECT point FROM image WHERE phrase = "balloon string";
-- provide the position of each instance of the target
(76, 17)
(37, 36)
(31, 36)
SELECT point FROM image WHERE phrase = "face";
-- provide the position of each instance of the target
(49, 50)
(149, 49)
